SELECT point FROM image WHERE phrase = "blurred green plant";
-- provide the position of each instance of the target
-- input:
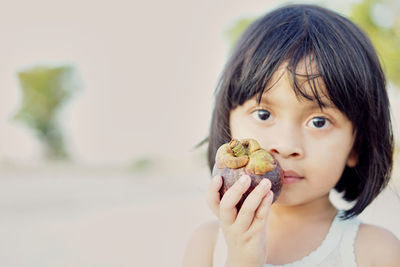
(369, 15)
(233, 33)
(143, 164)
(44, 91)
(380, 19)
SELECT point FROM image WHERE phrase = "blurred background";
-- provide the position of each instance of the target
(101, 106)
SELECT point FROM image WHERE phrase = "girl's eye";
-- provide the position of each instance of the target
(261, 114)
(319, 122)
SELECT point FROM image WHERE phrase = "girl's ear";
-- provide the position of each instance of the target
(352, 160)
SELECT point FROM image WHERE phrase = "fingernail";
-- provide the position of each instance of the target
(217, 180)
(243, 179)
(264, 182)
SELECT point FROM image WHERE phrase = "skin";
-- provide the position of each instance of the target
(316, 144)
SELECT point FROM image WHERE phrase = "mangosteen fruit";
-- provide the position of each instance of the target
(240, 157)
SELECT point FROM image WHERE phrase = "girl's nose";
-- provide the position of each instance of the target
(285, 152)
(286, 146)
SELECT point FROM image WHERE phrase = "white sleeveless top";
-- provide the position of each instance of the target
(336, 250)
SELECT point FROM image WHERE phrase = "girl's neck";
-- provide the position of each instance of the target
(288, 226)
(316, 210)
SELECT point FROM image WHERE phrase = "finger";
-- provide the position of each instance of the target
(252, 204)
(227, 208)
(261, 215)
(213, 196)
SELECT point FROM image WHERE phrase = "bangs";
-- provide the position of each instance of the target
(307, 82)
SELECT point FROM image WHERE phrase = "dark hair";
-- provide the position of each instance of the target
(349, 67)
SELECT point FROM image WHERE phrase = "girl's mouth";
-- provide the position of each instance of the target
(291, 177)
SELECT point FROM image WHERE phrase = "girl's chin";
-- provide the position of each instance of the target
(289, 196)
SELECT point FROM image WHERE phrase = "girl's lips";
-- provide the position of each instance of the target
(290, 177)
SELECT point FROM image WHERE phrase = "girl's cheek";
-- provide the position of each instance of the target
(241, 127)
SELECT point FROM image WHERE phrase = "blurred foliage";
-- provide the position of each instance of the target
(234, 32)
(385, 39)
(44, 91)
(142, 164)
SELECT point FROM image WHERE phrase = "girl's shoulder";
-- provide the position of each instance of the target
(202, 240)
(376, 246)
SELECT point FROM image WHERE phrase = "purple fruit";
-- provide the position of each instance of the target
(239, 157)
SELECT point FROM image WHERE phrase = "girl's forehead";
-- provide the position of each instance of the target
(305, 81)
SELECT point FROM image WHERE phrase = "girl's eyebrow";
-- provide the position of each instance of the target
(322, 104)
(311, 104)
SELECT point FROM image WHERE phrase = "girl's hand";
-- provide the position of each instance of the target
(245, 232)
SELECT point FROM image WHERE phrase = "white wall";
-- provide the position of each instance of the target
(149, 69)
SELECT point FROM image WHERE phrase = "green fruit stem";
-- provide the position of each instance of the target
(238, 149)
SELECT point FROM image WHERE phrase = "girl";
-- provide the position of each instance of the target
(307, 84)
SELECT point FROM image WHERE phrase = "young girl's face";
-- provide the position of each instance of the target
(312, 145)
